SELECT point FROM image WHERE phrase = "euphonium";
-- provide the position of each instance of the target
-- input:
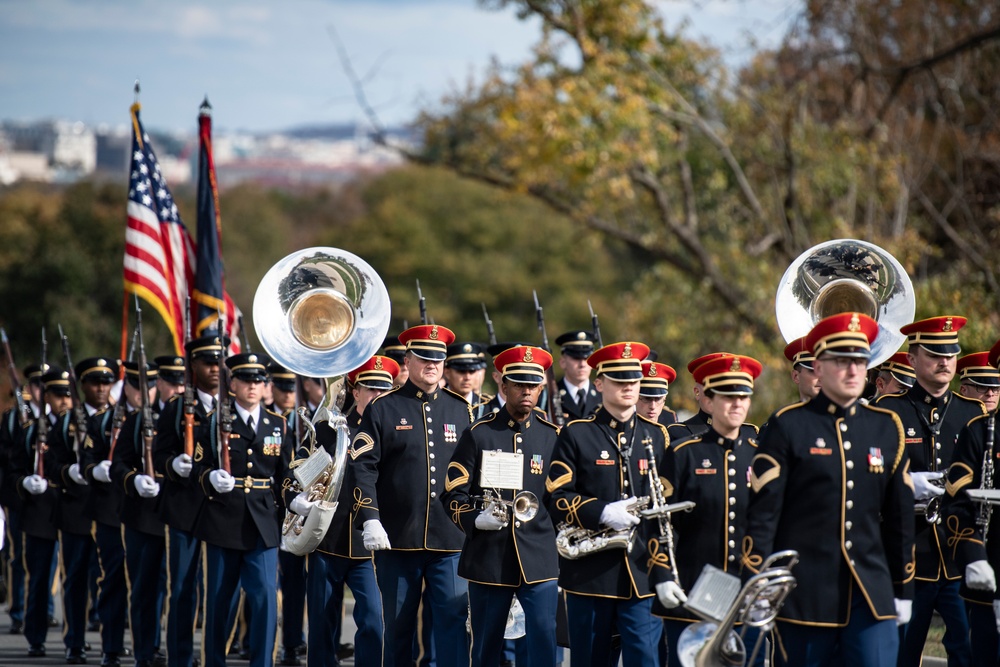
(574, 542)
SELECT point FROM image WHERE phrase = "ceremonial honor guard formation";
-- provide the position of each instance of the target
(571, 516)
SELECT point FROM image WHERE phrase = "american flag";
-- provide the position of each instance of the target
(159, 254)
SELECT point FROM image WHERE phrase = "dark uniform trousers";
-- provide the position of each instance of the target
(292, 578)
(967, 540)
(519, 559)
(341, 559)
(180, 503)
(41, 533)
(938, 576)
(104, 507)
(714, 473)
(400, 456)
(241, 530)
(833, 484)
(598, 461)
(145, 541)
(11, 435)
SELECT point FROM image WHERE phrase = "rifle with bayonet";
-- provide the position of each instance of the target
(189, 400)
(23, 410)
(147, 410)
(79, 414)
(555, 403)
(595, 325)
(243, 335)
(42, 436)
(489, 326)
(121, 409)
(423, 304)
(223, 417)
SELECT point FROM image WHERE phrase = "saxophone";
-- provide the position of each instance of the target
(574, 542)
(986, 479)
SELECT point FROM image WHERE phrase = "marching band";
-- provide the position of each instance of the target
(580, 509)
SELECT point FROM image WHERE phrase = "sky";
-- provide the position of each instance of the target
(267, 65)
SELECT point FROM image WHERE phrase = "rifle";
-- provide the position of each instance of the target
(243, 335)
(555, 403)
(23, 411)
(489, 326)
(595, 325)
(189, 400)
(42, 437)
(118, 418)
(423, 304)
(224, 418)
(147, 410)
(79, 414)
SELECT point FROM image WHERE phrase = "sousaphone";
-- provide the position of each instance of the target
(846, 275)
(321, 312)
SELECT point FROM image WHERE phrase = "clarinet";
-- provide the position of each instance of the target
(663, 518)
(986, 481)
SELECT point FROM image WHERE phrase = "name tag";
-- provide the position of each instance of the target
(405, 428)
(822, 451)
(605, 462)
(704, 471)
(913, 441)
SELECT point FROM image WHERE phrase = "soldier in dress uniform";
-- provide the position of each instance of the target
(701, 421)
(169, 379)
(978, 379)
(895, 375)
(395, 350)
(240, 521)
(972, 529)
(104, 506)
(711, 469)
(462, 369)
(181, 497)
(932, 417)
(341, 558)
(600, 466)
(578, 395)
(39, 490)
(400, 456)
(144, 533)
(845, 462)
(505, 555)
(653, 389)
(803, 374)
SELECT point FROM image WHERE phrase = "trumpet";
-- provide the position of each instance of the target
(574, 542)
(524, 506)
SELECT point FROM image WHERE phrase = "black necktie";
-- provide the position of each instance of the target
(250, 422)
(581, 401)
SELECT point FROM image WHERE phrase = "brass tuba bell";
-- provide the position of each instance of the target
(846, 275)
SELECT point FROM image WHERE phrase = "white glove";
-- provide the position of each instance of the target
(979, 576)
(904, 609)
(374, 536)
(182, 465)
(616, 517)
(74, 474)
(35, 484)
(102, 472)
(222, 481)
(486, 520)
(923, 489)
(301, 504)
(670, 594)
(146, 486)
(996, 612)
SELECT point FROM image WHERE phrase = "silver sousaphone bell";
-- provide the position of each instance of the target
(846, 275)
(321, 312)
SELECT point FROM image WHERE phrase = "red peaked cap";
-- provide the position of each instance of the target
(428, 341)
(843, 335)
(729, 374)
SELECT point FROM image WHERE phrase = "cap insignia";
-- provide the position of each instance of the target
(466, 348)
(652, 370)
(101, 362)
(64, 375)
(855, 324)
(627, 352)
(947, 325)
(217, 341)
(735, 366)
(581, 335)
(528, 356)
(434, 333)
(252, 358)
(378, 363)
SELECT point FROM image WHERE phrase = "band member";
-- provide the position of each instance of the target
(506, 555)
(104, 506)
(803, 374)
(599, 467)
(463, 370)
(181, 497)
(144, 531)
(400, 456)
(496, 402)
(701, 421)
(971, 527)
(396, 351)
(653, 389)
(895, 375)
(240, 521)
(341, 557)
(578, 395)
(846, 463)
(932, 417)
(711, 469)
(978, 379)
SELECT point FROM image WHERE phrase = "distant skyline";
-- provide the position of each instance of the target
(270, 66)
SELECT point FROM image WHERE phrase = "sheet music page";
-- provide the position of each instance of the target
(502, 470)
